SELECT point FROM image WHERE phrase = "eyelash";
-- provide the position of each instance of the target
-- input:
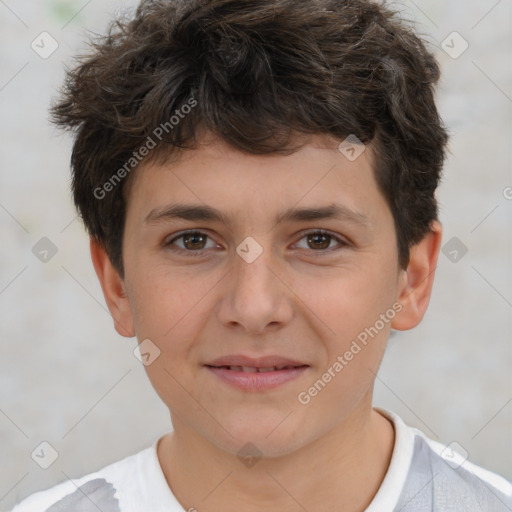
(200, 252)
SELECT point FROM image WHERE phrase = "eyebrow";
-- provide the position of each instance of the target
(194, 212)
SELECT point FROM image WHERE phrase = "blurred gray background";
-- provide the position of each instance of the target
(68, 379)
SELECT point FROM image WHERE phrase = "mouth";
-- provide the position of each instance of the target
(256, 369)
(257, 377)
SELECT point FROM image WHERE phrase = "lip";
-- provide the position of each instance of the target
(255, 362)
(254, 380)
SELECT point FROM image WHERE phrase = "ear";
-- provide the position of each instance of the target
(415, 282)
(113, 289)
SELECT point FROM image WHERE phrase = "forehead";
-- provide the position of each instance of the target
(229, 183)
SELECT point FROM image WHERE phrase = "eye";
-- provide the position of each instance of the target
(320, 240)
(195, 242)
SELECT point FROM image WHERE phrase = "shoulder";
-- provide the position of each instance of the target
(441, 478)
(98, 490)
(427, 476)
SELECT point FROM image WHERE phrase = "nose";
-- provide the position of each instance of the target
(256, 296)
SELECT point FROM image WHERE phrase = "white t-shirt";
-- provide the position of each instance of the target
(423, 476)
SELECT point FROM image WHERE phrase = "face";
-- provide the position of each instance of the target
(296, 291)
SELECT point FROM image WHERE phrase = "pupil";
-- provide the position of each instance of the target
(193, 236)
(311, 239)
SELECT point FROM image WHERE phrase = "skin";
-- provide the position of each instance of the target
(298, 299)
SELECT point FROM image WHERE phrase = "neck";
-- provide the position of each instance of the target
(347, 465)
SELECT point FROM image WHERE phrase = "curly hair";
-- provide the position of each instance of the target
(256, 73)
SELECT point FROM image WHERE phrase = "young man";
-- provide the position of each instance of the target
(258, 182)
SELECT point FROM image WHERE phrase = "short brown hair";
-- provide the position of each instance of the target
(259, 72)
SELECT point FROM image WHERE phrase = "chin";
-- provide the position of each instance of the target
(254, 440)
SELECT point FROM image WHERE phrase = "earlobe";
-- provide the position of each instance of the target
(113, 290)
(415, 283)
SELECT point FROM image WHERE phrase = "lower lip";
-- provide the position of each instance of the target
(257, 381)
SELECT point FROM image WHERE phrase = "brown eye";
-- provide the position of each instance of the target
(320, 241)
(192, 242)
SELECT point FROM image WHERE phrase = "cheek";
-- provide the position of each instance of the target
(356, 310)
(349, 301)
(171, 309)
(160, 301)
(354, 346)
